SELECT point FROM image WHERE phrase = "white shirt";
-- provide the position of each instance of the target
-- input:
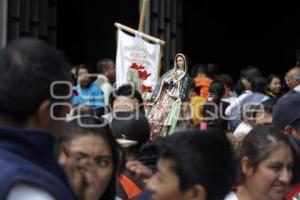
(242, 129)
(229, 100)
(25, 192)
(231, 196)
(105, 86)
(237, 102)
(297, 88)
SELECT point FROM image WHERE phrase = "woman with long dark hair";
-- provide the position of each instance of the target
(90, 156)
(274, 87)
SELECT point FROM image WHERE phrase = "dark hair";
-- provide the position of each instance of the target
(258, 145)
(98, 127)
(196, 69)
(128, 91)
(81, 66)
(239, 87)
(269, 80)
(103, 64)
(227, 80)
(28, 68)
(271, 77)
(201, 157)
(217, 88)
(247, 73)
(259, 84)
(92, 78)
(212, 70)
(135, 128)
(250, 72)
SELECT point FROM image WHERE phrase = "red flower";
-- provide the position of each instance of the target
(147, 88)
(143, 74)
(136, 66)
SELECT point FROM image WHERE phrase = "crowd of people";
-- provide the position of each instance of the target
(67, 133)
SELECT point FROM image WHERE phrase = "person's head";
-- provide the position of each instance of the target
(201, 71)
(217, 90)
(292, 77)
(286, 116)
(249, 113)
(130, 126)
(88, 139)
(107, 67)
(228, 82)
(264, 115)
(247, 75)
(83, 76)
(239, 87)
(259, 84)
(274, 84)
(198, 70)
(29, 68)
(212, 70)
(193, 165)
(265, 164)
(126, 98)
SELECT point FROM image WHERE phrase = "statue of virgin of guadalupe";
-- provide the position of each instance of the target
(167, 98)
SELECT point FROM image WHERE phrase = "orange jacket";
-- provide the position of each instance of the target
(130, 188)
(203, 83)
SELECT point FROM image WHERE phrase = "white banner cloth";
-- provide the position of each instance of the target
(137, 62)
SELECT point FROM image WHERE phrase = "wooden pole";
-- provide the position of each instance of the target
(142, 16)
(148, 37)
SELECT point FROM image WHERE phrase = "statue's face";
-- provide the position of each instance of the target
(180, 63)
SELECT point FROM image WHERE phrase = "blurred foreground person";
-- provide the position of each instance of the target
(193, 165)
(29, 169)
(286, 117)
(90, 156)
(133, 134)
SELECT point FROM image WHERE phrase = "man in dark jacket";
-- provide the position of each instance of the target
(30, 94)
(286, 117)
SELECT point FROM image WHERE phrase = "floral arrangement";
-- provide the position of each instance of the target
(142, 75)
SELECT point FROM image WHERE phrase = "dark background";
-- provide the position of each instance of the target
(233, 34)
(86, 30)
(239, 33)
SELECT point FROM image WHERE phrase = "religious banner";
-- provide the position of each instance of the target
(137, 62)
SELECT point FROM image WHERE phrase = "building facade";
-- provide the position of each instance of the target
(84, 31)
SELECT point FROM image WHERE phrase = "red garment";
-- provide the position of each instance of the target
(203, 83)
(294, 192)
